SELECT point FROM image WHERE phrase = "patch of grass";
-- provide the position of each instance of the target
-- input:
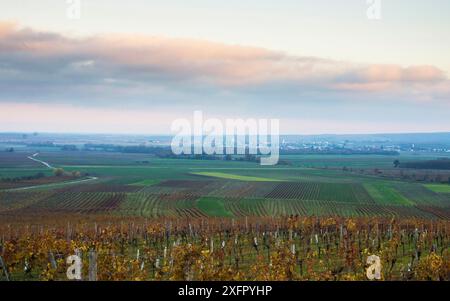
(234, 177)
(384, 194)
(146, 182)
(213, 207)
(440, 188)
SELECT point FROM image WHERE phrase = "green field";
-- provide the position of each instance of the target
(213, 207)
(384, 194)
(144, 185)
(440, 188)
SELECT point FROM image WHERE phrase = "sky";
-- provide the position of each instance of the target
(133, 67)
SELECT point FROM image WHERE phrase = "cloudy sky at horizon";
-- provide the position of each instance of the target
(320, 67)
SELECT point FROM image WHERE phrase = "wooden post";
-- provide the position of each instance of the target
(52, 260)
(3, 244)
(92, 266)
(68, 233)
(4, 268)
(191, 233)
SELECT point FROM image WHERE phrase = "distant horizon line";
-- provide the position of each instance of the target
(169, 135)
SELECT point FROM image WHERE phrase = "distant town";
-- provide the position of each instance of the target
(383, 144)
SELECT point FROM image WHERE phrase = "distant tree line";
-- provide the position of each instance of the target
(59, 172)
(24, 178)
(166, 153)
(137, 149)
(69, 147)
(338, 151)
(441, 164)
(41, 144)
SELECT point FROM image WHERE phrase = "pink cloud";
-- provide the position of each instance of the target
(137, 58)
(7, 28)
(394, 73)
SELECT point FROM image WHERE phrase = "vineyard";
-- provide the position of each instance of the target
(195, 220)
(291, 248)
(229, 198)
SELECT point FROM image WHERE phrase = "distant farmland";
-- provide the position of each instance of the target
(147, 186)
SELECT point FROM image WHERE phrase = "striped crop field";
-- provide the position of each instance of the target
(221, 197)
